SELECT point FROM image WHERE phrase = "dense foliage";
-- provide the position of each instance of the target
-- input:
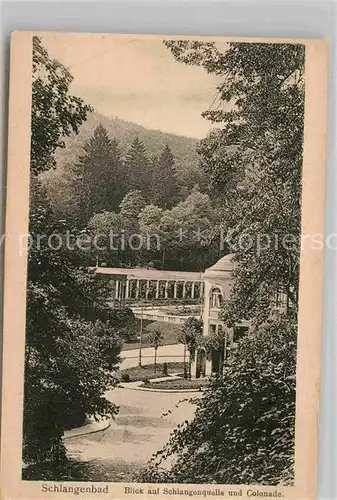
(138, 195)
(243, 429)
(183, 149)
(182, 237)
(72, 339)
(97, 181)
(72, 343)
(254, 164)
(164, 182)
(55, 113)
(160, 170)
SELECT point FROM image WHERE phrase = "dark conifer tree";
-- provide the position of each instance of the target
(165, 190)
(98, 174)
(137, 168)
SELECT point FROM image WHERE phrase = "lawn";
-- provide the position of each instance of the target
(146, 372)
(176, 384)
(168, 331)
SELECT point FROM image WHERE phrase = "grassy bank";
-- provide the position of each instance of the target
(147, 372)
(168, 331)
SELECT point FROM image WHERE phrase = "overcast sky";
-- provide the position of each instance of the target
(137, 80)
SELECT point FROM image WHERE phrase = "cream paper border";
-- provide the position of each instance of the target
(311, 274)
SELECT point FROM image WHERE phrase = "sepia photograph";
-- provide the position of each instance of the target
(163, 260)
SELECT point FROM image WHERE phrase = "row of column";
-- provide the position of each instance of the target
(123, 289)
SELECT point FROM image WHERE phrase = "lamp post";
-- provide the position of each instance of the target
(140, 337)
(131, 276)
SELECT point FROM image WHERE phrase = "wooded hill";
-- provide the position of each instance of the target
(183, 148)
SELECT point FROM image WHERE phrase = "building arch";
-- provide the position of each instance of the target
(216, 297)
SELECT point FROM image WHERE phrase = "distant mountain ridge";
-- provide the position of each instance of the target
(183, 148)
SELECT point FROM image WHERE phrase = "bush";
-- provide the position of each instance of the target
(146, 372)
(125, 377)
(177, 384)
(129, 336)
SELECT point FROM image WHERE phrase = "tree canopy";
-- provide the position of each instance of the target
(55, 112)
(243, 428)
(254, 164)
(72, 339)
(165, 188)
(98, 179)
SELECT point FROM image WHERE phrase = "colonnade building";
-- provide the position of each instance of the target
(209, 290)
(152, 285)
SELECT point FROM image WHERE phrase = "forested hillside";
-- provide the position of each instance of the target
(121, 177)
(183, 148)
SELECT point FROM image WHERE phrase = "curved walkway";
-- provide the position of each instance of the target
(142, 426)
(89, 428)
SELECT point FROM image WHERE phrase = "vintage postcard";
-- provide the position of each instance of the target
(163, 267)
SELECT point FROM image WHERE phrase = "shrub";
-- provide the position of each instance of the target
(125, 377)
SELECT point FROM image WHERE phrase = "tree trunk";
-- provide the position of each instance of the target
(155, 360)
